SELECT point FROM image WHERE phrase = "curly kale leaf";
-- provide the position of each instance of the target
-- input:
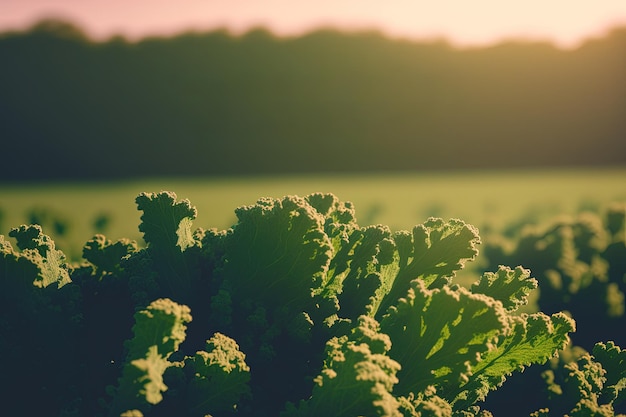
(278, 252)
(165, 222)
(510, 287)
(272, 273)
(158, 331)
(106, 255)
(39, 250)
(425, 404)
(465, 344)
(530, 339)
(579, 265)
(438, 249)
(583, 384)
(371, 267)
(41, 321)
(357, 378)
(166, 226)
(220, 377)
(613, 360)
(333, 210)
(339, 225)
(275, 261)
(432, 253)
(20, 274)
(364, 263)
(438, 335)
(429, 404)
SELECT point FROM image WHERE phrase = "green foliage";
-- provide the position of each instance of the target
(427, 328)
(40, 323)
(39, 250)
(357, 377)
(106, 255)
(580, 266)
(510, 287)
(298, 311)
(277, 254)
(166, 228)
(466, 344)
(433, 252)
(158, 331)
(165, 222)
(590, 385)
(219, 377)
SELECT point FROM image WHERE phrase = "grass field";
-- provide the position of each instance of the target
(487, 200)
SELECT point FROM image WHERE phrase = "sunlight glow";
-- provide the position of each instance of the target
(461, 22)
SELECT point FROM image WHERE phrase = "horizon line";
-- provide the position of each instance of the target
(49, 22)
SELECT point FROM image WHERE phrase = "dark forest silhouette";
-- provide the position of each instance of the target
(217, 104)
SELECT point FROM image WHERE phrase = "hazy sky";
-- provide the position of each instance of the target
(463, 22)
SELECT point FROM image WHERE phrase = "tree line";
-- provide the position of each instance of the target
(212, 103)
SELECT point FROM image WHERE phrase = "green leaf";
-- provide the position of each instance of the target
(510, 287)
(162, 218)
(425, 404)
(185, 234)
(220, 379)
(106, 255)
(149, 371)
(366, 259)
(39, 250)
(439, 249)
(19, 274)
(433, 252)
(333, 210)
(278, 253)
(581, 382)
(158, 331)
(162, 323)
(354, 381)
(166, 226)
(438, 335)
(613, 360)
(530, 339)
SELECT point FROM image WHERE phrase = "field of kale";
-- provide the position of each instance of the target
(374, 300)
(490, 201)
(334, 224)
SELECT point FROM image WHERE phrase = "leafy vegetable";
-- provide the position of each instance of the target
(166, 227)
(592, 385)
(579, 264)
(357, 378)
(220, 377)
(106, 255)
(298, 311)
(39, 250)
(40, 323)
(158, 331)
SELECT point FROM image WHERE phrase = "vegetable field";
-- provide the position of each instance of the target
(486, 200)
(310, 304)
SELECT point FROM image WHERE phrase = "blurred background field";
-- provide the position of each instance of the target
(490, 202)
(216, 104)
(404, 120)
